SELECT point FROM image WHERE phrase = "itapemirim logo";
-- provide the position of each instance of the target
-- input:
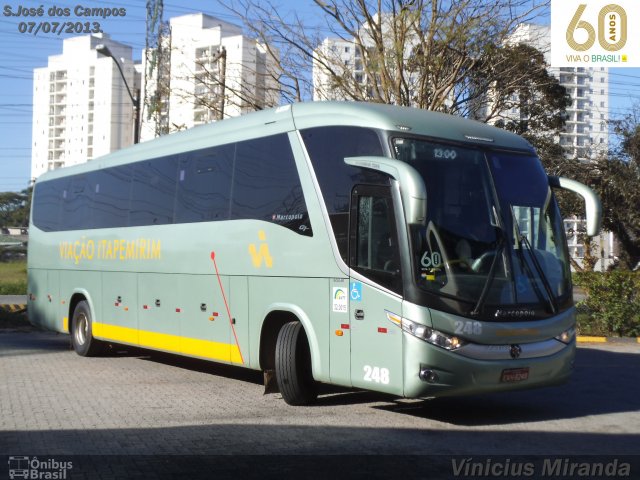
(38, 468)
(260, 253)
(595, 33)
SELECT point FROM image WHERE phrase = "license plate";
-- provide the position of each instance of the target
(511, 375)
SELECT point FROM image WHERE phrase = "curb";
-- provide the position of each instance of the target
(13, 307)
(590, 339)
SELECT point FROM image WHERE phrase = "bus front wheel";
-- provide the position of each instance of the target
(81, 337)
(293, 365)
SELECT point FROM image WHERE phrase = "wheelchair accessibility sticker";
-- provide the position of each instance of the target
(355, 291)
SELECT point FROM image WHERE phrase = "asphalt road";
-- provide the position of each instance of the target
(53, 402)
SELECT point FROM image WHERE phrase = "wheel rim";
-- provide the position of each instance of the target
(82, 329)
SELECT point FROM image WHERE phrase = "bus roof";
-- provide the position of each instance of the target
(307, 115)
(406, 120)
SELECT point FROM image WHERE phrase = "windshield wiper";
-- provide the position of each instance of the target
(492, 273)
(523, 240)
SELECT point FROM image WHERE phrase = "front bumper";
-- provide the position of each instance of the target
(460, 375)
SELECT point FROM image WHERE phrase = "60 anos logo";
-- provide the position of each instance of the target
(595, 33)
(612, 29)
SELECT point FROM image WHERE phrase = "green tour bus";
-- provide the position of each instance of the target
(364, 245)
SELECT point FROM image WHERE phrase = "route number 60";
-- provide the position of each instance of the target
(433, 260)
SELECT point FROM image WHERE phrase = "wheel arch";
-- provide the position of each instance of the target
(275, 317)
(78, 295)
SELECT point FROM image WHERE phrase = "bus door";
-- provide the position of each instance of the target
(376, 342)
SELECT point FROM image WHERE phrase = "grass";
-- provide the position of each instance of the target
(13, 277)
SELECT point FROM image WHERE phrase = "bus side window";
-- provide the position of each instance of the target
(374, 245)
(153, 191)
(266, 185)
(204, 184)
(48, 199)
(112, 192)
(76, 209)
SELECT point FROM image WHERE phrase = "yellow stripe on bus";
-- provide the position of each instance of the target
(65, 324)
(208, 349)
(169, 343)
(115, 333)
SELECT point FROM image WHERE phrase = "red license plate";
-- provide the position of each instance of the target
(511, 375)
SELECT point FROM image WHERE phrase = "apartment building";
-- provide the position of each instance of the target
(586, 131)
(81, 109)
(213, 71)
(344, 58)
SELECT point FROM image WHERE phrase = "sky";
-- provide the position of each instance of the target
(20, 53)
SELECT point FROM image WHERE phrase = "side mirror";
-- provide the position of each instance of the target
(412, 188)
(592, 203)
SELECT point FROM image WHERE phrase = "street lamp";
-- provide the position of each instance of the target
(104, 50)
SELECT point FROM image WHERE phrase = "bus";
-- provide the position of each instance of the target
(363, 245)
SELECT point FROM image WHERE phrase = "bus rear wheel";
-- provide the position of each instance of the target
(293, 366)
(81, 332)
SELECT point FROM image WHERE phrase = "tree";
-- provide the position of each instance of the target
(616, 178)
(538, 98)
(15, 208)
(434, 55)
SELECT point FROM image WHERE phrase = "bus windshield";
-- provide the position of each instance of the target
(493, 234)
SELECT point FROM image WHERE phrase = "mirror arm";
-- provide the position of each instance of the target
(593, 206)
(412, 188)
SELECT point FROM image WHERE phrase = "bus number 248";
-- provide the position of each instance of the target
(376, 374)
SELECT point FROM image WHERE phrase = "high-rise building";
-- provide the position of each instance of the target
(81, 108)
(586, 131)
(345, 59)
(338, 63)
(214, 72)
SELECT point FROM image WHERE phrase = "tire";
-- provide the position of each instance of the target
(81, 332)
(293, 366)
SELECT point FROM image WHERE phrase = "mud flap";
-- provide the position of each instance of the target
(270, 383)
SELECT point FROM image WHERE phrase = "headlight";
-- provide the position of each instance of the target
(567, 336)
(434, 337)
